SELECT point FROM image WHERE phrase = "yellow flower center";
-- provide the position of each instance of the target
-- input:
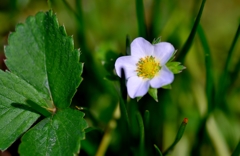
(148, 67)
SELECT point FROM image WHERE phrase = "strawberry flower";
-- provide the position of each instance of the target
(146, 66)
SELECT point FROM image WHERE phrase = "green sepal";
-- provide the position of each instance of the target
(139, 98)
(175, 67)
(169, 86)
(173, 56)
(153, 93)
(156, 40)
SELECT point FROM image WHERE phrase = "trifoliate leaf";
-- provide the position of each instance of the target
(175, 67)
(58, 135)
(153, 93)
(41, 53)
(44, 74)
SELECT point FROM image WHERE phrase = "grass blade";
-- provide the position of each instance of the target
(208, 67)
(189, 41)
(142, 31)
(156, 17)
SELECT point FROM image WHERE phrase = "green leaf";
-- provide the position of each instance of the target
(45, 72)
(41, 53)
(153, 93)
(59, 135)
(175, 67)
(16, 115)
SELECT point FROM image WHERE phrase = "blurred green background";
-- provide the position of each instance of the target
(100, 29)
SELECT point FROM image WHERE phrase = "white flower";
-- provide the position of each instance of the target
(146, 66)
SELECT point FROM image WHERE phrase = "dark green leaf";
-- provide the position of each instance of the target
(59, 135)
(48, 59)
(45, 72)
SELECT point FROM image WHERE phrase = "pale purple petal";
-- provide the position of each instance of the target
(141, 48)
(128, 64)
(164, 77)
(163, 52)
(137, 86)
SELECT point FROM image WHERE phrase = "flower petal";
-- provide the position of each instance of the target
(141, 48)
(163, 51)
(128, 64)
(137, 87)
(164, 77)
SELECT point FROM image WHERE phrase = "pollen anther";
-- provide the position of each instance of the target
(148, 67)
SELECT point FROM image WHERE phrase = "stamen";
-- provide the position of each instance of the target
(148, 67)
